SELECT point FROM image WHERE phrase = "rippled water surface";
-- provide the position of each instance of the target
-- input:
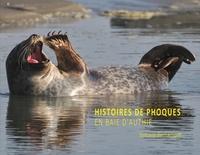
(68, 125)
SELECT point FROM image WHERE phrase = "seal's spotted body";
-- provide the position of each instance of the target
(30, 72)
(112, 80)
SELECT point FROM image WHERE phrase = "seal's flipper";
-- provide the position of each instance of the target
(169, 57)
(68, 59)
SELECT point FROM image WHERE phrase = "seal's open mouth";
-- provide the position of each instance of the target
(37, 56)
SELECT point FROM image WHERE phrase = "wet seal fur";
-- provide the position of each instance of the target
(30, 72)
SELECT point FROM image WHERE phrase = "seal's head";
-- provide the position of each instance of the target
(30, 72)
(27, 56)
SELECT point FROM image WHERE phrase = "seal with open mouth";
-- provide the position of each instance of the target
(30, 72)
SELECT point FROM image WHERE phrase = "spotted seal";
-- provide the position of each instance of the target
(30, 72)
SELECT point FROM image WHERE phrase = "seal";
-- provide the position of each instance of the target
(30, 72)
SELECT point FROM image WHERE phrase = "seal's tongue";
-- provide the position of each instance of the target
(36, 56)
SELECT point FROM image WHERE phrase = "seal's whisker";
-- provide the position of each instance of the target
(26, 50)
(48, 43)
(20, 60)
(22, 52)
(24, 46)
(23, 57)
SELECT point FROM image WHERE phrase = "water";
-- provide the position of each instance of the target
(68, 125)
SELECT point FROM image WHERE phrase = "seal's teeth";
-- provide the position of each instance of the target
(65, 33)
(59, 31)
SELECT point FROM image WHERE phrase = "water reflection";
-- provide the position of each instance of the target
(52, 122)
(155, 100)
(169, 101)
(37, 124)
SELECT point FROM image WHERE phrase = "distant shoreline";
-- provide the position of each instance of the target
(22, 13)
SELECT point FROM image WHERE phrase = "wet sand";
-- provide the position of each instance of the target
(21, 13)
(176, 20)
(170, 14)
